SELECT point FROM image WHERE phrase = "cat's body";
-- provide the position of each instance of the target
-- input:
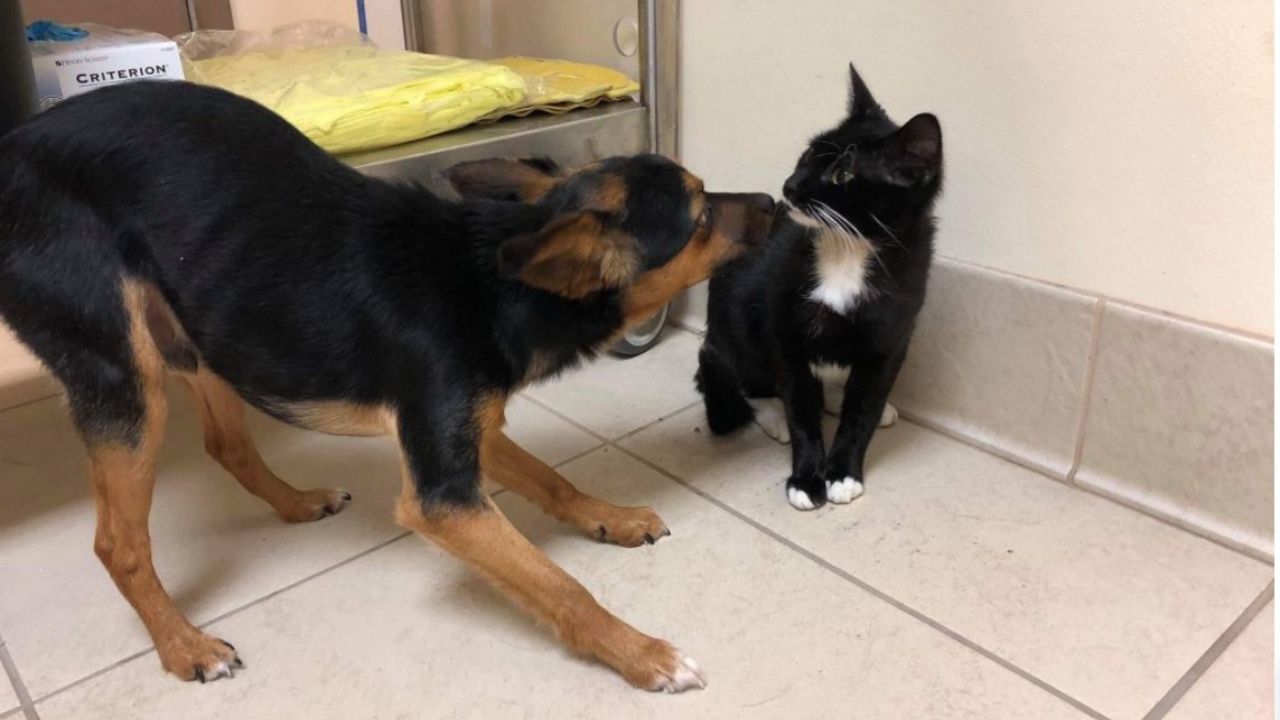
(839, 283)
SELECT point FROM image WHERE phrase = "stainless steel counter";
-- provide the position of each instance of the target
(571, 139)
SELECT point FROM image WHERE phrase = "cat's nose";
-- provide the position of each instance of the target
(791, 187)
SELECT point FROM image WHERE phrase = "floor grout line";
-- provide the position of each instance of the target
(603, 440)
(312, 576)
(1086, 397)
(873, 591)
(234, 611)
(1211, 655)
(579, 456)
(25, 705)
(28, 403)
(664, 418)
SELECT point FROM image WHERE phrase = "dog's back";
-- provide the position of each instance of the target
(168, 192)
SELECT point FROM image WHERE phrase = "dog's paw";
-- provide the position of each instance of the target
(193, 655)
(888, 416)
(625, 526)
(771, 416)
(312, 505)
(806, 493)
(663, 668)
(843, 491)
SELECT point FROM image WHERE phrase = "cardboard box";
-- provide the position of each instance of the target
(106, 56)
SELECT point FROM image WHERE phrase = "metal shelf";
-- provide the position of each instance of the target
(573, 138)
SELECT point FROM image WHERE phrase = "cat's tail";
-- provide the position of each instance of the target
(727, 406)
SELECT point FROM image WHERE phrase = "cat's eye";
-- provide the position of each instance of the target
(841, 171)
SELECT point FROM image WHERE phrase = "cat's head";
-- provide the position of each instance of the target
(868, 170)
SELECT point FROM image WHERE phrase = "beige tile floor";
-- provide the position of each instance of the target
(959, 586)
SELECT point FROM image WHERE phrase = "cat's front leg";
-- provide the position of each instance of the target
(862, 410)
(802, 395)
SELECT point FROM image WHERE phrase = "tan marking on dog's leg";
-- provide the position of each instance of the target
(122, 479)
(227, 440)
(514, 468)
(485, 539)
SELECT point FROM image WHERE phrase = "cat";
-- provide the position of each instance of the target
(839, 283)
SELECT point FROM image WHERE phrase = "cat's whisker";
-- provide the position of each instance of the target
(839, 219)
(850, 231)
(887, 230)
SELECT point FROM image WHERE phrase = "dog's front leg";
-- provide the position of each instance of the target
(441, 501)
(514, 468)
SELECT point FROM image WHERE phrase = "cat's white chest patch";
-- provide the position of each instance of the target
(840, 267)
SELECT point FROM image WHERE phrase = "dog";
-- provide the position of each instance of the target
(163, 227)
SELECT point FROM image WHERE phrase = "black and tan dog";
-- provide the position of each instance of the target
(164, 227)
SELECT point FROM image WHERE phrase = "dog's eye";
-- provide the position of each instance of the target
(705, 217)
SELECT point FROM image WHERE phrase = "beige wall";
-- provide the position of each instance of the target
(263, 15)
(1121, 147)
(381, 16)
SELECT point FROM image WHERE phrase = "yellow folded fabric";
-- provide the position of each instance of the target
(357, 97)
(557, 86)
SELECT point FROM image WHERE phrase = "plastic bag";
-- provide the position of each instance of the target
(343, 92)
(558, 86)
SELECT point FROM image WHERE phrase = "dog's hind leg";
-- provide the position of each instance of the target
(227, 440)
(514, 468)
(121, 413)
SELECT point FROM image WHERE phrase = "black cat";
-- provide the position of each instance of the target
(839, 283)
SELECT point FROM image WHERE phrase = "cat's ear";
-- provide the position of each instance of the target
(861, 103)
(916, 151)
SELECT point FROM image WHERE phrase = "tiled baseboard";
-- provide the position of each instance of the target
(1166, 415)
(1169, 416)
(1180, 420)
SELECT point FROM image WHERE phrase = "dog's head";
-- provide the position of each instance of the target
(641, 225)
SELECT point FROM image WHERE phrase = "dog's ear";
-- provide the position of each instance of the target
(499, 179)
(573, 256)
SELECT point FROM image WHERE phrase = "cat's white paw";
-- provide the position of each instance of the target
(771, 416)
(799, 499)
(843, 491)
(889, 416)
